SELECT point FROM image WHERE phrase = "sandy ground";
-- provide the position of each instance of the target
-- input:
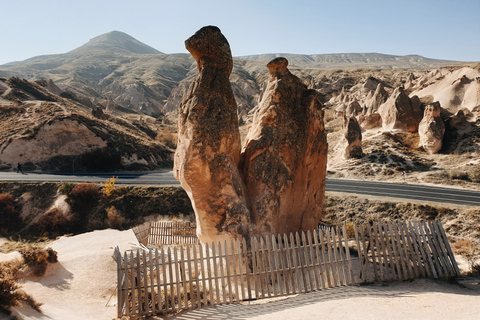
(82, 285)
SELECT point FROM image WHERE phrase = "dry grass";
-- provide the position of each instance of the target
(34, 262)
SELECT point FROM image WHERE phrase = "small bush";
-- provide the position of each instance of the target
(66, 187)
(54, 223)
(109, 186)
(115, 220)
(85, 192)
(37, 259)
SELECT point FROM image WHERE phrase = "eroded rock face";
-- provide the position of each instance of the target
(208, 150)
(353, 135)
(284, 156)
(373, 102)
(401, 112)
(431, 129)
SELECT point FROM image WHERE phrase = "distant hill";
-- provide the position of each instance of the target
(355, 60)
(117, 67)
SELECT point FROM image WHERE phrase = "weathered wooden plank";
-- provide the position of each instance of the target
(177, 278)
(197, 277)
(313, 259)
(264, 263)
(183, 276)
(215, 272)
(378, 251)
(321, 265)
(442, 249)
(347, 252)
(305, 262)
(411, 250)
(394, 253)
(388, 246)
(192, 295)
(247, 261)
(342, 257)
(205, 273)
(152, 282)
(255, 265)
(332, 259)
(431, 242)
(279, 262)
(400, 251)
(222, 273)
(289, 263)
(272, 267)
(374, 256)
(427, 249)
(234, 270)
(413, 236)
(421, 248)
(449, 249)
(210, 280)
(300, 260)
(368, 270)
(438, 250)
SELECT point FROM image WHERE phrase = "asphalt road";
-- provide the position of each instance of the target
(165, 178)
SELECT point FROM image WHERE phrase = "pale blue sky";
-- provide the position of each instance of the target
(432, 28)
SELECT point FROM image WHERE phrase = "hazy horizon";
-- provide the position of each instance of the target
(434, 29)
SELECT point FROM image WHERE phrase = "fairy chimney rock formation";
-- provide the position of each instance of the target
(284, 156)
(401, 112)
(353, 135)
(431, 129)
(373, 102)
(208, 150)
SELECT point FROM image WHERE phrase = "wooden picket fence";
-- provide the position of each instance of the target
(404, 250)
(165, 279)
(161, 233)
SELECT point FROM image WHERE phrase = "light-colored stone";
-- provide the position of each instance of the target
(431, 129)
(284, 156)
(353, 135)
(400, 112)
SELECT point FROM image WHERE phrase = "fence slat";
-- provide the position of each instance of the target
(247, 268)
(449, 249)
(347, 252)
(288, 257)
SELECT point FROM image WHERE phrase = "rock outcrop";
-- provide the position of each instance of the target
(401, 112)
(353, 135)
(431, 129)
(208, 150)
(372, 103)
(284, 156)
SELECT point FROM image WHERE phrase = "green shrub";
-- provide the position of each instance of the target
(66, 187)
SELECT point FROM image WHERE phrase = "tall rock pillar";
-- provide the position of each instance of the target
(208, 150)
(285, 155)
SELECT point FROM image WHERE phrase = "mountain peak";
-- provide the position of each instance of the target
(116, 42)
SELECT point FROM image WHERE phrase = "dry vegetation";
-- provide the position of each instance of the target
(35, 259)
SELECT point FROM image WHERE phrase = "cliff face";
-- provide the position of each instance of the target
(284, 156)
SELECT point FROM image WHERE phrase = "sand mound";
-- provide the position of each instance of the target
(453, 89)
(81, 284)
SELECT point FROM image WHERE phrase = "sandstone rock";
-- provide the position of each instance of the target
(373, 102)
(431, 129)
(353, 135)
(372, 121)
(284, 156)
(208, 150)
(401, 112)
(353, 108)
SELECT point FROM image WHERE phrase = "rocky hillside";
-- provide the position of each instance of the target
(46, 131)
(117, 67)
